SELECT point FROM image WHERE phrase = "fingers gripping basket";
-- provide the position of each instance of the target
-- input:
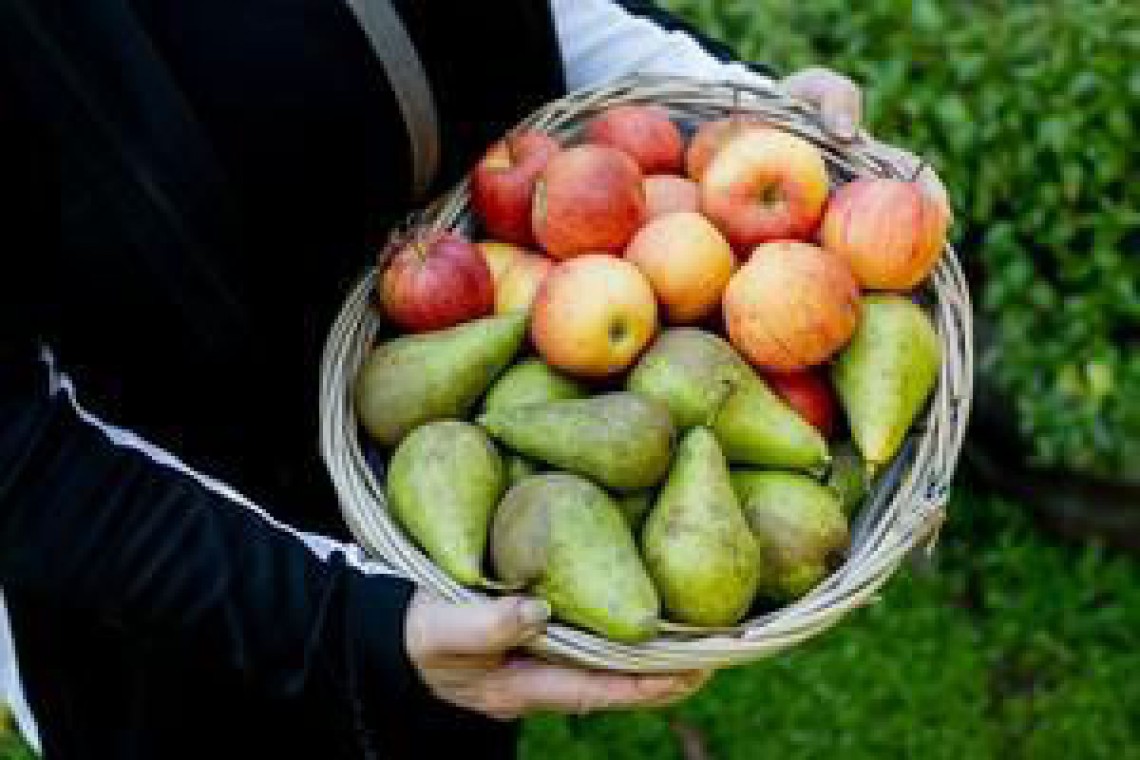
(903, 511)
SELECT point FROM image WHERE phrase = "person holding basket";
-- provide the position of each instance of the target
(192, 186)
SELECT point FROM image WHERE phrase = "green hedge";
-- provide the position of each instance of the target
(1029, 110)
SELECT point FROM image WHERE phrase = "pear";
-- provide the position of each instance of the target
(704, 381)
(696, 542)
(414, 379)
(799, 525)
(444, 481)
(564, 539)
(886, 373)
(529, 382)
(690, 371)
(619, 440)
(847, 477)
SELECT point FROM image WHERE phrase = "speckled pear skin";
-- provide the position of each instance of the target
(564, 539)
(530, 382)
(704, 381)
(697, 544)
(799, 526)
(618, 440)
(886, 374)
(415, 379)
(444, 481)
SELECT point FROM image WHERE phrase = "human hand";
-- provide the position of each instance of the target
(840, 102)
(463, 654)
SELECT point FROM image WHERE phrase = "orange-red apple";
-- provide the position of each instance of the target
(646, 133)
(520, 283)
(499, 257)
(687, 261)
(708, 140)
(809, 394)
(436, 281)
(503, 183)
(892, 232)
(668, 193)
(593, 315)
(589, 199)
(791, 306)
(765, 184)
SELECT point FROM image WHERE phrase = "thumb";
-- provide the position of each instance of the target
(478, 628)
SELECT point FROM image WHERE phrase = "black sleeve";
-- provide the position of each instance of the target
(650, 10)
(89, 525)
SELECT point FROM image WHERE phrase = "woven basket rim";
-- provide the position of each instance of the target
(904, 511)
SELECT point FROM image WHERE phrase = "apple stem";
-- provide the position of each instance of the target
(918, 171)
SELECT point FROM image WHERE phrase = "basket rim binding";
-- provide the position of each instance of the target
(903, 512)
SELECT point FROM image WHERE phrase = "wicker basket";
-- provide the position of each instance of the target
(903, 511)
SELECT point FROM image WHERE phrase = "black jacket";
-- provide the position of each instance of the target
(191, 187)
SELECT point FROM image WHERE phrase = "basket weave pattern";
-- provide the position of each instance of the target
(903, 512)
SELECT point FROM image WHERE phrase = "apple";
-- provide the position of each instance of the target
(791, 306)
(687, 262)
(667, 193)
(434, 281)
(709, 139)
(499, 257)
(503, 183)
(809, 394)
(589, 199)
(765, 184)
(593, 315)
(646, 133)
(892, 232)
(519, 285)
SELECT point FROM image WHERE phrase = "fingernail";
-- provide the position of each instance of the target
(534, 613)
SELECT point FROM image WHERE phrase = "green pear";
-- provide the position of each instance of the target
(635, 506)
(847, 477)
(518, 468)
(799, 526)
(564, 539)
(696, 542)
(886, 373)
(530, 382)
(704, 381)
(444, 481)
(690, 371)
(414, 379)
(619, 440)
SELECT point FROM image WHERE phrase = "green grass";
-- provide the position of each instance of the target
(1010, 646)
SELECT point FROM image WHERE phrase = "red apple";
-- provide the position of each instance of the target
(809, 394)
(520, 283)
(687, 261)
(499, 257)
(593, 315)
(765, 184)
(892, 232)
(589, 199)
(646, 133)
(668, 193)
(709, 139)
(503, 183)
(435, 281)
(791, 306)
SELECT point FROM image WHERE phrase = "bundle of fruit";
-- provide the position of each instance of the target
(627, 399)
